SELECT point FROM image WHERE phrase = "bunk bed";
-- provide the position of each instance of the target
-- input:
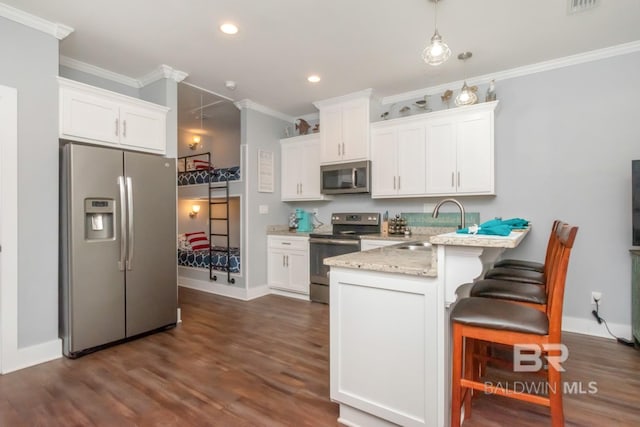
(198, 251)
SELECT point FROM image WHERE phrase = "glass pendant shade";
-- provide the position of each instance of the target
(466, 96)
(437, 52)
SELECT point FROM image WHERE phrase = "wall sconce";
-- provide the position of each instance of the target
(194, 144)
(194, 211)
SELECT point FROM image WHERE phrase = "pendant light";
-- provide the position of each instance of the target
(466, 95)
(437, 52)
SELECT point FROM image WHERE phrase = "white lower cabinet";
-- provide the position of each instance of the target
(288, 263)
(386, 349)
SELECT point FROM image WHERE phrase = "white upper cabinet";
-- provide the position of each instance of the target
(398, 159)
(344, 123)
(460, 152)
(98, 116)
(300, 168)
(447, 152)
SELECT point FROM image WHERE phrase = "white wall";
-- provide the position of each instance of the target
(564, 143)
(30, 64)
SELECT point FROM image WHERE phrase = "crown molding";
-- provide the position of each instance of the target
(55, 29)
(162, 72)
(99, 72)
(567, 61)
(367, 93)
(249, 104)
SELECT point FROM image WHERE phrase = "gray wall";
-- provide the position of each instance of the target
(261, 131)
(93, 80)
(564, 142)
(30, 64)
(165, 92)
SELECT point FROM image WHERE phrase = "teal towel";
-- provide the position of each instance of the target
(497, 227)
(496, 230)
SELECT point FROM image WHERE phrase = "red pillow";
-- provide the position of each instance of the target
(197, 240)
(201, 164)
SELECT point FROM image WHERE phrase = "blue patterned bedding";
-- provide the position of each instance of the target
(200, 258)
(202, 176)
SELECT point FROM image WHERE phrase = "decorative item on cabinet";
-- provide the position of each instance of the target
(302, 126)
(423, 104)
(491, 92)
(316, 128)
(446, 97)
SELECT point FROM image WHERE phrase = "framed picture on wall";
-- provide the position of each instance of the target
(265, 171)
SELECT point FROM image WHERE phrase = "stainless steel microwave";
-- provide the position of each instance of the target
(346, 178)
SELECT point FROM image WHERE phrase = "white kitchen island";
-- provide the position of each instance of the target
(389, 327)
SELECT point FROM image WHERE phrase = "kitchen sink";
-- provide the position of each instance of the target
(416, 246)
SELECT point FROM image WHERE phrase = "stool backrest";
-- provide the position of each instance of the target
(552, 245)
(556, 283)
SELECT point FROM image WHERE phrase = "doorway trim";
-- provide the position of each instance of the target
(8, 228)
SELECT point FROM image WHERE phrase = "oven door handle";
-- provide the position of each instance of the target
(335, 242)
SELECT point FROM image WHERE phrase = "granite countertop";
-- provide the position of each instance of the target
(390, 259)
(480, 240)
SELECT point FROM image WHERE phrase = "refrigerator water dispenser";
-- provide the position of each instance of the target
(99, 214)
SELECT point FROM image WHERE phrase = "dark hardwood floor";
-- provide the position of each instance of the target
(265, 363)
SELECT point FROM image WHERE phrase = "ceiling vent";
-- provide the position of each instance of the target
(576, 6)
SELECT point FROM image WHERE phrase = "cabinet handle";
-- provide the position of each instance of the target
(394, 182)
(343, 148)
(300, 188)
(286, 243)
(117, 127)
(458, 179)
(398, 182)
(124, 128)
(287, 257)
(283, 260)
(452, 179)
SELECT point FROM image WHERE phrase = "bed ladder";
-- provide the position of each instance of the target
(213, 219)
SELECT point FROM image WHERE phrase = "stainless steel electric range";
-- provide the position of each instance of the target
(344, 239)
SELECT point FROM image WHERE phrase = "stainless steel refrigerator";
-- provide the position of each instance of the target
(118, 270)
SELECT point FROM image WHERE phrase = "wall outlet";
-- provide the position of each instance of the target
(263, 209)
(596, 296)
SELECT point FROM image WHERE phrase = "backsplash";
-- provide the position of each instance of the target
(445, 219)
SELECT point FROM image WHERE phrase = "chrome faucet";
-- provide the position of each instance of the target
(442, 202)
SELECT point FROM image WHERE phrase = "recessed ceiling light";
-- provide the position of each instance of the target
(313, 78)
(228, 28)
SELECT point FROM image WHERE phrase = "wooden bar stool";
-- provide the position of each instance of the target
(503, 322)
(532, 265)
(527, 271)
(528, 294)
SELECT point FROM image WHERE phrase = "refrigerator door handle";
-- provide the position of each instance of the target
(130, 234)
(123, 222)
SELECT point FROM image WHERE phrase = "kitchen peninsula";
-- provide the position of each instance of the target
(389, 326)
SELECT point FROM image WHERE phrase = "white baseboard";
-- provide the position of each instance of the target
(213, 288)
(289, 294)
(591, 327)
(33, 355)
(257, 292)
